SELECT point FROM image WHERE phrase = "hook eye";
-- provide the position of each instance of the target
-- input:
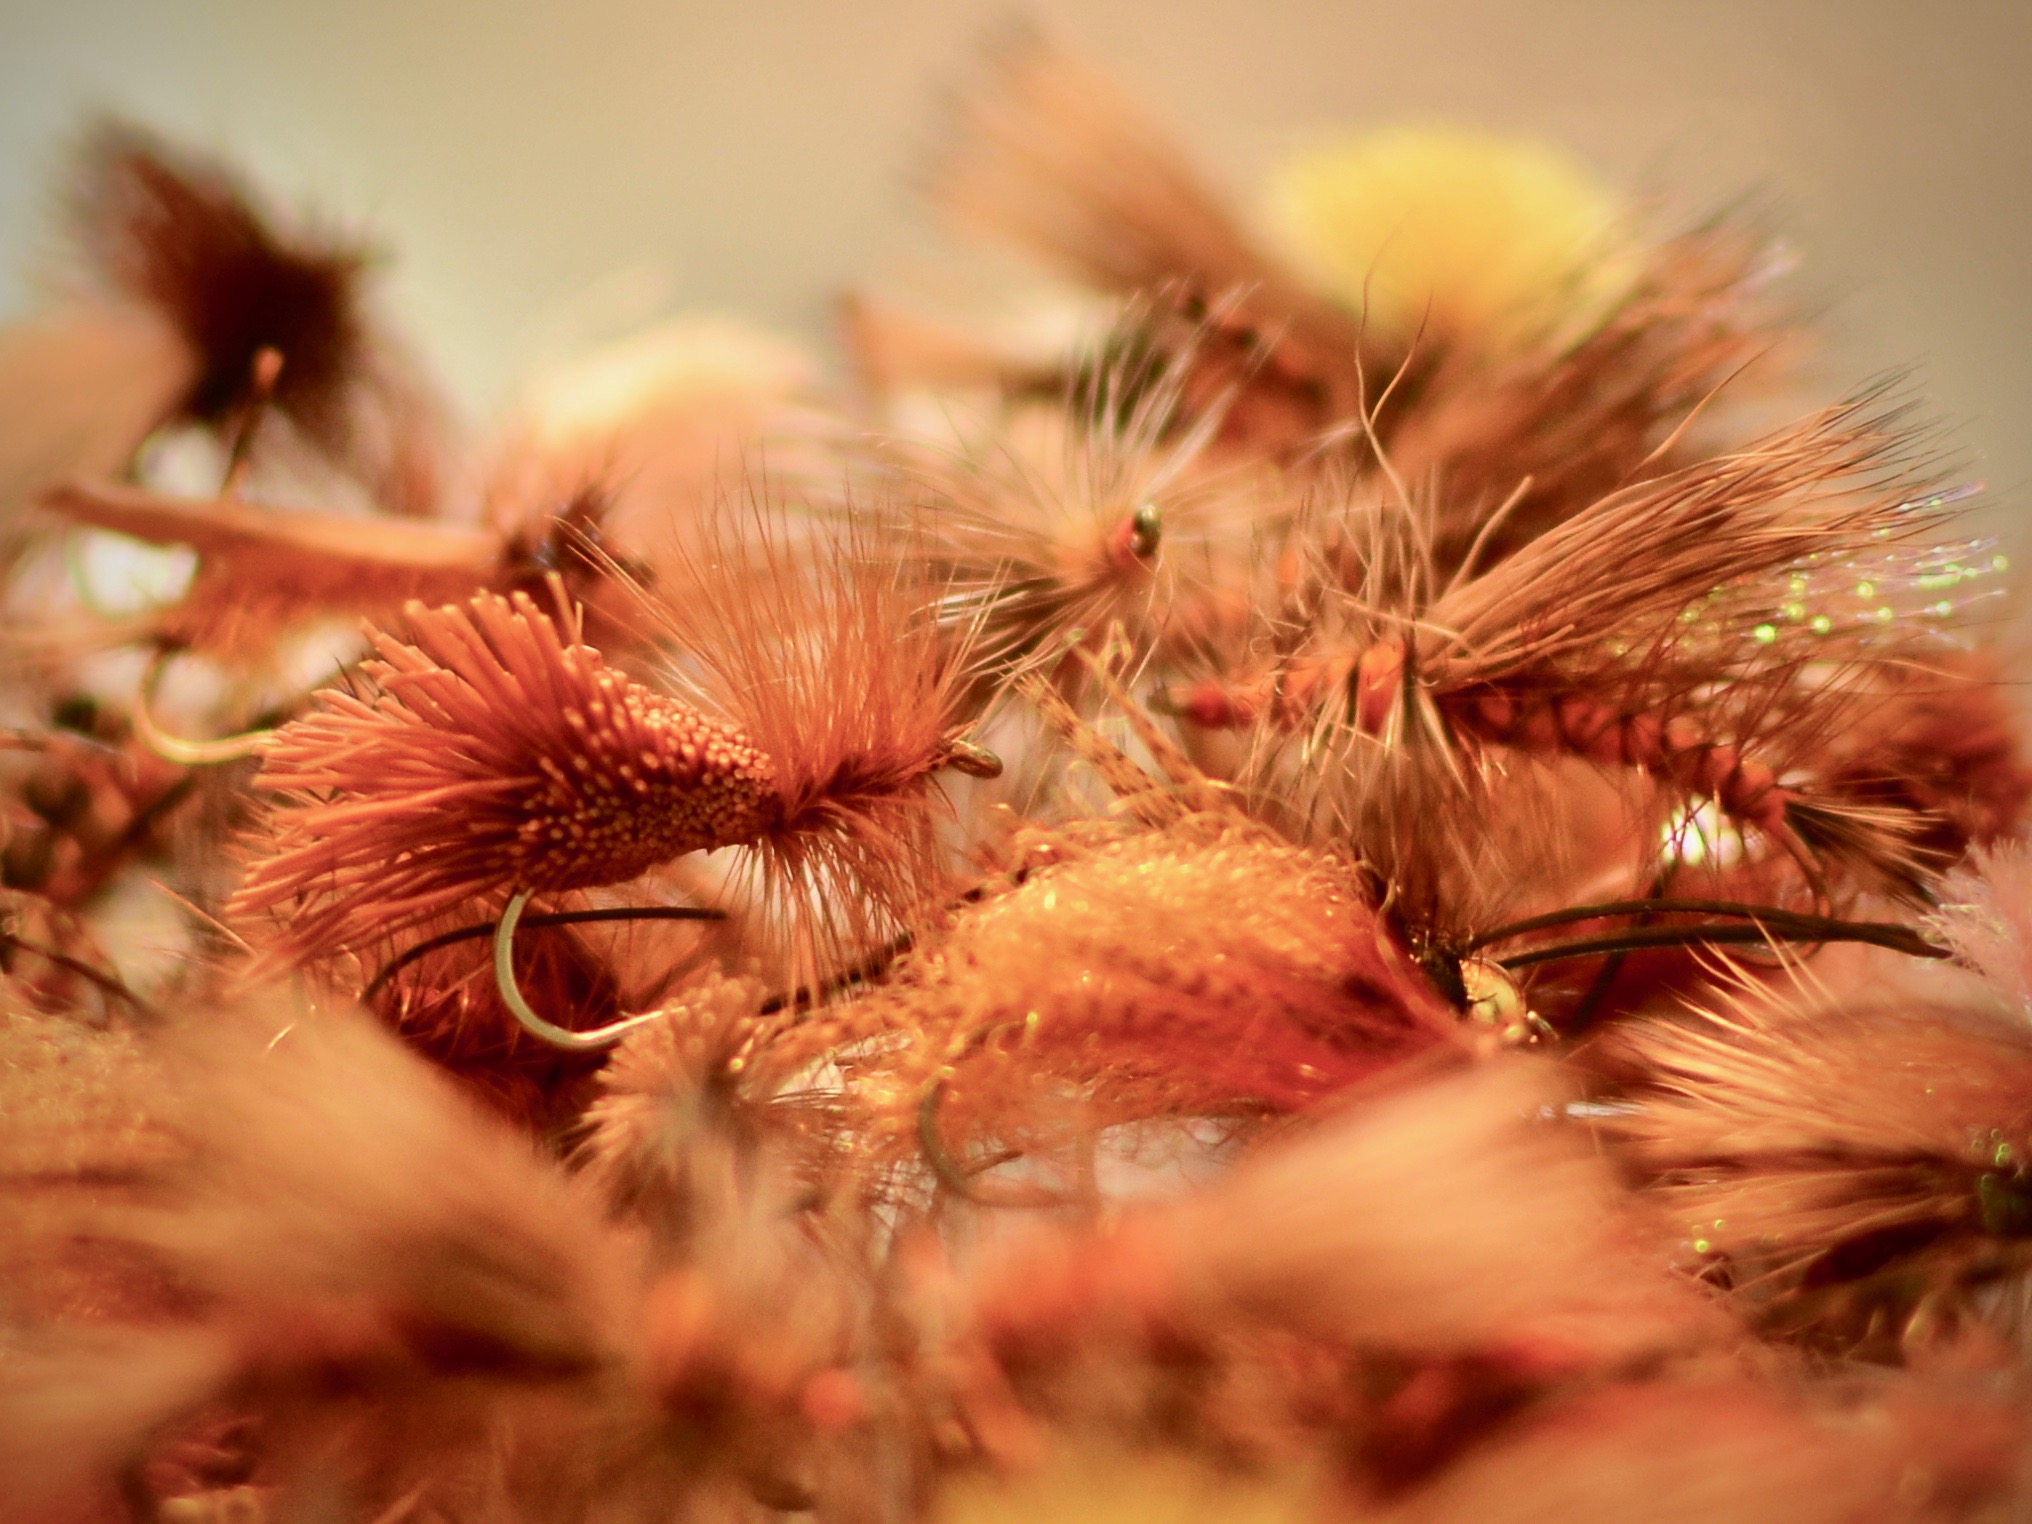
(974, 761)
(1146, 529)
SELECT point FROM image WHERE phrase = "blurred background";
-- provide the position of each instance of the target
(544, 172)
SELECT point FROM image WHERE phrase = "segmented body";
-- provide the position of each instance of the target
(1535, 719)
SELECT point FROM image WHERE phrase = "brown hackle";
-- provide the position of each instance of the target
(493, 752)
(159, 227)
(1853, 1170)
(822, 639)
(1100, 516)
(1047, 155)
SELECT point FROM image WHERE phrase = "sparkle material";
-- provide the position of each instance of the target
(1932, 594)
(1205, 964)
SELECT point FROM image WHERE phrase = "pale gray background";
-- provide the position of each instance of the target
(756, 156)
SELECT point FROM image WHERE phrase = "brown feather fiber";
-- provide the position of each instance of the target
(77, 1132)
(1986, 917)
(1071, 969)
(263, 571)
(669, 1087)
(824, 645)
(1496, 984)
(1658, 585)
(496, 755)
(1663, 631)
(1105, 515)
(181, 236)
(1683, 1451)
(445, 1006)
(1835, 484)
(329, 1167)
(1940, 739)
(1376, 1229)
(1048, 155)
(1320, 1289)
(161, 227)
(1859, 1170)
(840, 702)
(1621, 403)
(369, 1267)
